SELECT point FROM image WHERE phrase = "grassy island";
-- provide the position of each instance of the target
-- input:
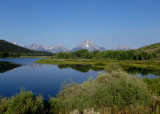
(149, 64)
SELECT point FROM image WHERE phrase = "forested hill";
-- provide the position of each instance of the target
(7, 47)
(151, 48)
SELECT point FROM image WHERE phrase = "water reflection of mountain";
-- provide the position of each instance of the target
(36, 66)
(143, 71)
(78, 67)
(6, 66)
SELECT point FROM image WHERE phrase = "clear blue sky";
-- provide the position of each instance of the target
(108, 23)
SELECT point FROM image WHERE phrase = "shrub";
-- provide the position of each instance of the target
(4, 103)
(113, 89)
(25, 102)
(117, 89)
(153, 85)
(113, 67)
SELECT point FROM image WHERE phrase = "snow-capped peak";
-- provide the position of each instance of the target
(35, 47)
(49, 48)
(87, 46)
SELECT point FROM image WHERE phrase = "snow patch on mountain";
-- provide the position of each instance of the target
(89, 45)
(56, 49)
(123, 47)
(13, 42)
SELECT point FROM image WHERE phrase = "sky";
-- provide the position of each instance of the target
(108, 23)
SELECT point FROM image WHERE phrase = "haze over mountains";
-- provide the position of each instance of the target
(88, 44)
(56, 49)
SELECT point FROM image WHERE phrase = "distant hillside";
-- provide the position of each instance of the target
(151, 48)
(12, 48)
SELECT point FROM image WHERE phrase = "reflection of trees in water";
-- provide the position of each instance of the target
(143, 71)
(78, 67)
(131, 70)
(6, 66)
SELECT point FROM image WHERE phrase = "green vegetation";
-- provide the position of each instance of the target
(132, 67)
(10, 50)
(153, 85)
(151, 48)
(114, 89)
(140, 58)
(114, 55)
(102, 64)
(112, 92)
(23, 103)
(150, 52)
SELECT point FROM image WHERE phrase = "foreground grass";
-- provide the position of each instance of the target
(153, 85)
(103, 63)
(112, 92)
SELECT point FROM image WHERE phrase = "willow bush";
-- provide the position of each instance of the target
(23, 103)
(112, 89)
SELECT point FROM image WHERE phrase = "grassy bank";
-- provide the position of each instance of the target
(148, 64)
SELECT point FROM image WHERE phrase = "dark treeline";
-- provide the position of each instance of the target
(6, 54)
(117, 55)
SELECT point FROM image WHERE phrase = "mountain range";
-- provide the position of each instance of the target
(12, 47)
(88, 44)
(56, 49)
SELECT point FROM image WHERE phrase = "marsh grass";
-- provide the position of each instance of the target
(103, 63)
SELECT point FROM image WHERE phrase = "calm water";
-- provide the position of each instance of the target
(40, 78)
(47, 79)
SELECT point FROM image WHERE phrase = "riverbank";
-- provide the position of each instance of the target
(148, 64)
